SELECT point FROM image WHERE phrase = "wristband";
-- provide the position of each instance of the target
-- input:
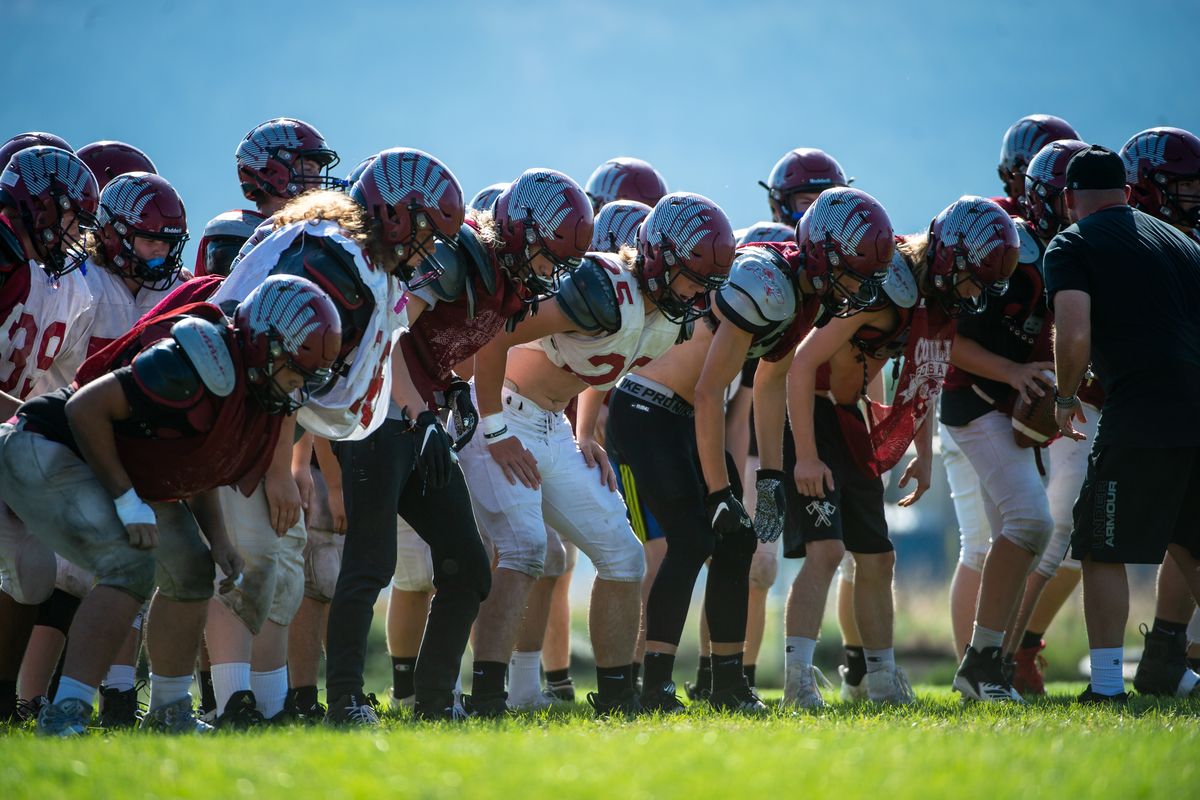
(494, 428)
(1065, 402)
(132, 510)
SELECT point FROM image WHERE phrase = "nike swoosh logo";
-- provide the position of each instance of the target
(428, 432)
(723, 506)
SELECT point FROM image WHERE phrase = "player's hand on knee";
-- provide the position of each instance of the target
(227, 559)
(595, 457)
(517, 463)
(139, 520)
(283, 500)
(143, 536)
(812, 476)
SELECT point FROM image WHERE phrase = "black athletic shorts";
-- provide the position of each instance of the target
(853, 511)
(1135, 501)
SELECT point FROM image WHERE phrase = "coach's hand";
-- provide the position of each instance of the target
(726, 514)
(770, 510)
(1065, 416)
(283, 500)
(435, 456)
(594, 456)
(812, 476)
(1029, 380)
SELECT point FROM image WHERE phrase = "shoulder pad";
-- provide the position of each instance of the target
(11, 250)
(204, 344)
(327, 264)
(455, 260)
(165, 373)
(759, 294)
(899, 283)
(1031, 248)
(478, 256)
(588, 298)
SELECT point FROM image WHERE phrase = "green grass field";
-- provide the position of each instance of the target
(939, 748)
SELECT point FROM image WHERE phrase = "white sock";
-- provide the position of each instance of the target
(165, 689)
(1106, 670)
(270, 690)
(880, 660)
(229, 678)
(120, 677)
(71, 689)
(982, 637)
(524, 673)
(1188, 682)
(798, 650)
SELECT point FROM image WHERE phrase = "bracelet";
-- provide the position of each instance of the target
(494, 427)
(132, 510)
(1065, 402)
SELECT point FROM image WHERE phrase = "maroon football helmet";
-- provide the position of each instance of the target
(1023, 140)
(287, 321)
(485, 198)
(1045, 179)
(223, 238)
(805, 169)
(543, 212)
(975, 237)
(142, 205)
(109, 159)
(846, 233)
(617, 225)
(689, 235)
(767, 232)
(266, 160)
(42, 185)
(625, 178)
(31, 139)
(357, 172)
(405, 192)
(1155, 161)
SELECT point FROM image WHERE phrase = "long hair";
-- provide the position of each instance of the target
(915, 248)
(348, 215)
(486, 231)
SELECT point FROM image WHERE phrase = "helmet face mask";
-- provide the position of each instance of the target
(62, 246)
(276, 399)
(55, 197)
(141, 206)
(803, 171)
(842, 300)
(284, 158)
(972, 243)
(543, 218)
(1022, 141)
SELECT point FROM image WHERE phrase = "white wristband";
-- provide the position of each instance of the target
(133, 510)
(494, 428)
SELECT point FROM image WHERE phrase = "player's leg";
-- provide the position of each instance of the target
(408, 610)
(854, 672)
(524, 667)
(269, 652)
(763, 570)
(556, 647)
(654, 544)
(27, 575)
(974, 538)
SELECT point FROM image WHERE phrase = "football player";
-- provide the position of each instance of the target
(797, 179)
(180, 405)
(624, 178)
(108, 159)
(1023, 139)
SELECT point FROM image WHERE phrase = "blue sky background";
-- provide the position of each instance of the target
(911, 97)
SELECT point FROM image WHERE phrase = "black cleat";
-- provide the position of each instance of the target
(486, 706)
(695, 692)
(1163, 664)
(307, 714)
(444, 710)
(353, 709)
(738, 699)
(120, 709)
(241, 713)
(626, 704)
(1090, 698)
(561, 690)
(27, 710)
(662, 699)
(981, 677)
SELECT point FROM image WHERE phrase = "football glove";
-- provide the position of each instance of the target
(466, 418)
(770, 512)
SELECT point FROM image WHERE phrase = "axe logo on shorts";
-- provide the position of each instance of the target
(823, 511)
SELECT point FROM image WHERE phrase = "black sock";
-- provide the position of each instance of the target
(612, 681)
(1168, 628)
(8, 699)
(208, 697)
(304, 697)
(1031, 639)
(636, 673)
(727, 671)
(704, 673)
(659, 667)
(856, 664)
(558, 676)
(748, 671)
(488, 678)
(402, 676)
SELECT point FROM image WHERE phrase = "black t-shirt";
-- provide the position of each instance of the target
(1143, 277)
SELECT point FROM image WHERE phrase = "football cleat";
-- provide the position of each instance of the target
(486, 706)
(662, 699)
(1030, 675)
(28, 710)
(1163, 667)
(241, 713)
(1090, 698)
(402, 703)
(737, 699)
(801, 687)
(626, 704)
(176, 717)
(695, 692)
(308, 714)
(68, 718)
(563, 690)
(981, 677)
(537, 702)
(852, 692)
(439, 712)
(889, 686)
(120, 709)
(352, 710)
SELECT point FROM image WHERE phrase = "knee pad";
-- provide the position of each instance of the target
(555, 563)
(58, 611)
(846, 569)
(764, 568)
(572, 556)
(624, 560)
(188, 575)
(322, 563)
(289, 577)
(1031, 533)
(521, 552)
(736, 551)
(131, 571)
(28, 571)
(973, 545)
(467, 570)
(72, 578)
(414, 564)
(1056, 552)
(692, 550)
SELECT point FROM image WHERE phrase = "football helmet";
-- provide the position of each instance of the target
(805, 169)
(545, 213)
(223, 238)
(44, 185)
(685, 235)
(267, 158)
(142, 205)
(974, 237)
(1155, 161)
(287, 321)
(1025, 138)
(846, 233)
(486, 197)
(617, 225)
(31, 139)
(108, 159)
(1045, 179)
(625, 178)
(767, 232)
(405, 193)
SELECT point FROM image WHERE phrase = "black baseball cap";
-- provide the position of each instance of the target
(1097, 167)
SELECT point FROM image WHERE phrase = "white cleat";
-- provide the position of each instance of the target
(539, 701)
(889, 686)
(801, 688)
(175, 718)
(402, 703)
(852, 692)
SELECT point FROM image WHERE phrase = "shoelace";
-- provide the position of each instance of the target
(903, 688)
(361, 713)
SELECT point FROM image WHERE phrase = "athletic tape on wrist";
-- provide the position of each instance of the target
(494, 428)
(132, 510)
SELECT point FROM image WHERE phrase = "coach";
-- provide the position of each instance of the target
(1125, 288)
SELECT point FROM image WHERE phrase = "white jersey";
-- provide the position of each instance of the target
(349, 409)
(601, 361)
(113, 311)
(35, 329)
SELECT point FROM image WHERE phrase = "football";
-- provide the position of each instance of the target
(1033, 422)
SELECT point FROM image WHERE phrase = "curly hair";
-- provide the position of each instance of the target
(336, 207)
(915, 249)
(487, 231)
